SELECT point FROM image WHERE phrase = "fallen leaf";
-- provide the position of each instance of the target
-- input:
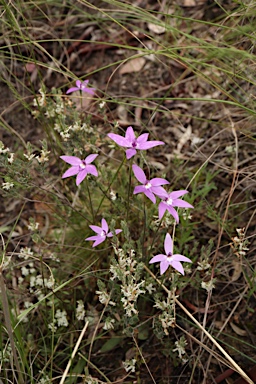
(237, 330)
(184, 138)
(189, 3)
(237, 270)
(133, 65)
(158, 29)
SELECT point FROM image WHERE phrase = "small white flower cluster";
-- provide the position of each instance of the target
(113, 195)
(40, 100)
(44, 380)
(208, 285)
(27, 270)
(36, 281)
(25, 253)
(7, 185)
(43, 158)
(131, 291)
(39, 281)
(180, 348)
(167, 317)
(60, 320)
(240, 243)
(129, 365)
(127, 270)
(4, 150)
(33, 225)
(78, 126)
(104, 298)
(80, 311)
(109, 323)
(203, 265)
(102, 104)
(167, 321)
(10, 158)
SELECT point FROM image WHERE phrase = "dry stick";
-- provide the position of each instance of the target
(8, 324)
(74, 352)
(229, 358)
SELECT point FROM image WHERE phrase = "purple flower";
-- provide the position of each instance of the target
(81, 86)
(172, 200)
(80, 167)
(130, 141)
(150, 187)
(169, 258)
(102, 233)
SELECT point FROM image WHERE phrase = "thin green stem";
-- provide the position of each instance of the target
(90, 199)
(129, 190)
(112, 181)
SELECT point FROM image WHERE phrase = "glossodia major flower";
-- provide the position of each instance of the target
(80, 167)
(149, 187)
(170, 200)
(169, 258)
(133, 143)
(81, 86)
(102, 233)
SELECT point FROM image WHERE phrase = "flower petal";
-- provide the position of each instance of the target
(79, 83)
(158, 181)
(181, 203)
(173, 213)
(91, 91)
(96, 228)
(150, 195)
(164, 266)
(150, 144)
(120, 140)
(104, 225)
(130, 135)
(99, 241)
(139, 174)
(168, 244)
(142, 139)
(95, 237)
(176, 194)
(72, 89)
(157, 258)
(71, 172)
(81, 176)
(158, 191)
(161, 210)
(73, 160)
(178, 257)
(178, 266)
(91, 169)
(130, 153)
(89, 159)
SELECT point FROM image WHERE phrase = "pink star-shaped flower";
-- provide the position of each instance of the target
(102, 233)
(134, 143)
(170, 200)
(80, 167)
(169, 258)
(149, 187)
(81, 86)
